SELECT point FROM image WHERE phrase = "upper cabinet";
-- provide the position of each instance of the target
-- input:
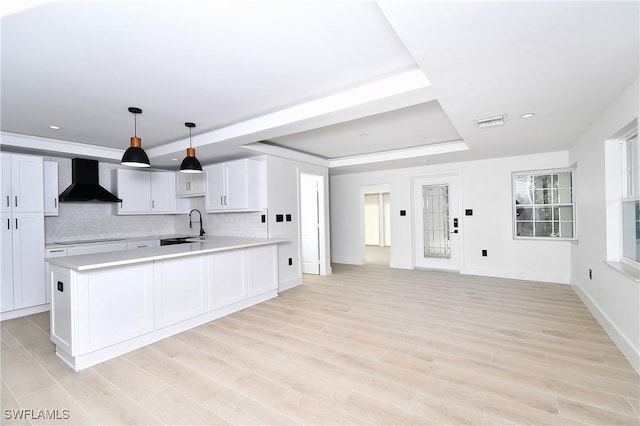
(236, 186)
(190, 184)
(145, 192)
(50, 188)
(22, 183)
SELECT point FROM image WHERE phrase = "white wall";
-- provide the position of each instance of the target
(613, 297)
(486, 188)
(283, 198)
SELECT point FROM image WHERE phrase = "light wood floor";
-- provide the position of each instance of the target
(366, 345)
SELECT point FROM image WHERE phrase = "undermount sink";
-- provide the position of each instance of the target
(181, 240)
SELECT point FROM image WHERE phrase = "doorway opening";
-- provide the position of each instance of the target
(377, 224)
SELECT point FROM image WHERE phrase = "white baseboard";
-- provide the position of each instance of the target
(518, 275)
(290, 283)
(349, 260)
(24, 312)
(400, 265)
(626, 347)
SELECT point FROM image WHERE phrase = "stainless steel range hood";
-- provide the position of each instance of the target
(84, 184)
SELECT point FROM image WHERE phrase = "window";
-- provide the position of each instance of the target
(630, 199)
(543, 205)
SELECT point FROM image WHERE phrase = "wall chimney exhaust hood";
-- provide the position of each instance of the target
(84, 184)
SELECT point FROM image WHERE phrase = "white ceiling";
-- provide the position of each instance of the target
(287, 72)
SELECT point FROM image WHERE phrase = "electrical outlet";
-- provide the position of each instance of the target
(263, 218)
(484, 253)
(590, 274)
(290, 261)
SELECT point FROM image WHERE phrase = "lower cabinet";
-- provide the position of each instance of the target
(227, 278)
(114, 305)
(261, 269)
(181, 289)
(97, 314)
(22, 266)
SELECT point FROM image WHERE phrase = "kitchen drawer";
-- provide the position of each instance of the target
(143, 244)
(55, 252)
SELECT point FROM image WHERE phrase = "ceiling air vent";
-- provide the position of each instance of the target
(491, 121)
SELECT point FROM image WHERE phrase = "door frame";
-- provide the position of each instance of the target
(370, 189)
(325, 269)
(415, 218)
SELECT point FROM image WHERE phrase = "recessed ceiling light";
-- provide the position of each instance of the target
(425, 161)
(527, 115)
(174, 159)
(54, 127)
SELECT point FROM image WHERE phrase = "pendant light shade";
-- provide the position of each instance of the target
(190, 164)
(135, 156)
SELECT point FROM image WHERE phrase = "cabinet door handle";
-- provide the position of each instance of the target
(55, 203)
(8, 204)
(16, 197)
(16, 223)
(56, 251)
(153, 204)
(225, 200)
(8, 223)
(221, 202)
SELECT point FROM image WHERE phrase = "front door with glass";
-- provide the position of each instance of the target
(437, 227)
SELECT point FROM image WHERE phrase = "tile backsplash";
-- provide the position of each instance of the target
(89, 220)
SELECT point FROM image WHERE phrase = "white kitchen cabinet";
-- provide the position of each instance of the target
(147, 193)
(6, 287)
(227, 278)
(22, 225)
(262, 269)
(163, 192)
(180, 289)
(134, 189)
(114, 305)
(142, 244)
(50, 170)
(23, 283)
(236, 186)
(190, 184)
(100, 312)
(49, 253)
(22, 183)
(62, 319)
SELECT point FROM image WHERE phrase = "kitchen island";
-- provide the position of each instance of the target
(106, 304)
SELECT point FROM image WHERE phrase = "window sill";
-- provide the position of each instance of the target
(626, 270)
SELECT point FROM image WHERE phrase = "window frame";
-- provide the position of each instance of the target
(573, 204)
(625, 193)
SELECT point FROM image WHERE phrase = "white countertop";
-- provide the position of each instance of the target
(117, 258)
(107, 240)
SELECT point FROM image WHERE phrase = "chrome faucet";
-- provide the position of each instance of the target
(190, 221)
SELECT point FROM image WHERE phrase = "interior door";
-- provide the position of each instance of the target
(309, 224)
(437, 222)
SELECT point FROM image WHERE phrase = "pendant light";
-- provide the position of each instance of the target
(135, 156)
(190, 164)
